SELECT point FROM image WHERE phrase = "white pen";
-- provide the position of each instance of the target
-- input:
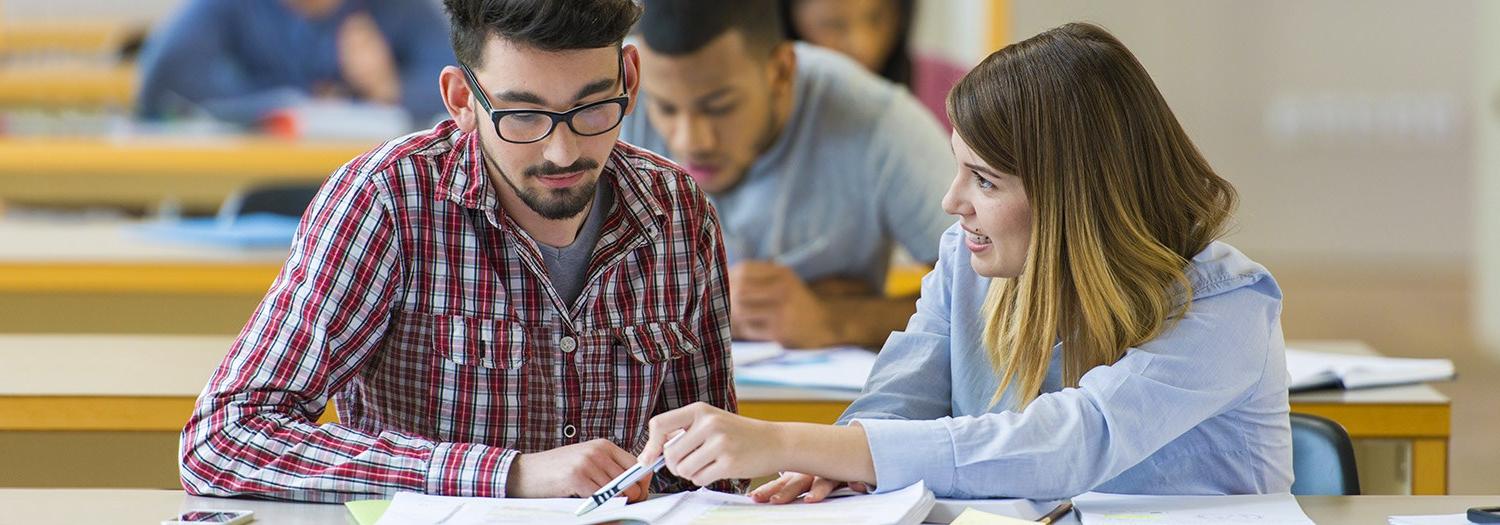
(626, 479)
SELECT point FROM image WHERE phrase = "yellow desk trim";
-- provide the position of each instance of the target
(67, 86)
(183, 278)
(102, 413)
(1379, 420)
(33, 36)
(254, 158)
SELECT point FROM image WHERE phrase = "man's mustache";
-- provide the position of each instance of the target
(548, 168)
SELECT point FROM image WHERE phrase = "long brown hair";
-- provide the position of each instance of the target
(1120, 198)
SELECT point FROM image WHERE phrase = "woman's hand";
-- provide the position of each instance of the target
(786, 488)
(714, 445)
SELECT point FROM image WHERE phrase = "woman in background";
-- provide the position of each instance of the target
(875, 33)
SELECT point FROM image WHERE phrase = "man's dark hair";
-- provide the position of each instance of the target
(680, 27)
(548, 25)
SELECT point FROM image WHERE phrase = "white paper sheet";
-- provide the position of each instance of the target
(410, 508)
(900, 507)
(1311, 369)
(835, 368)
(1125, 509)
(748, 352)
(946, 510)
(704, 507)
(1431, 519)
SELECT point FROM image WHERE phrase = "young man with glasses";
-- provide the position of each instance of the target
(497, 305)
(818, 168)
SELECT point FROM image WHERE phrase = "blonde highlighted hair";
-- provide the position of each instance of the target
(1120, 198)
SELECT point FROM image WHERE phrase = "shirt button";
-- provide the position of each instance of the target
(569, 431)
(568, 344)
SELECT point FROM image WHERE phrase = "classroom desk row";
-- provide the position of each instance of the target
(118, 383)
(102, 276)
(153, 506)
(199, 171)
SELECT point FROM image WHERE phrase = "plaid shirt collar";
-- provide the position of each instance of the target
(464, 181)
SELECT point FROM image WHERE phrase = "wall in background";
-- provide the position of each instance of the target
(1487, 170)
(62, 10)
(1346, 127)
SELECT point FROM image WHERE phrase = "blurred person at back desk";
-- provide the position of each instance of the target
(243, 61)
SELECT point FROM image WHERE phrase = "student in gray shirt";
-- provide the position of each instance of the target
(817, 167)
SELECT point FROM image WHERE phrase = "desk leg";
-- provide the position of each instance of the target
(1429, 466)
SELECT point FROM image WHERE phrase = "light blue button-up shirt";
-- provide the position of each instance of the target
(1201, 409)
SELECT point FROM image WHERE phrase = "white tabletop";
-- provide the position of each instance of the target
(179, 365)
(111, 241)
(90, 506)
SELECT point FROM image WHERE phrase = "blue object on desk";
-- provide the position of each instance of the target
(256, 230)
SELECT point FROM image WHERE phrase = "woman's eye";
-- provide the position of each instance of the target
(982, 182)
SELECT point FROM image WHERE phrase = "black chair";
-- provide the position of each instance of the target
(281, 199)
(1322, 458)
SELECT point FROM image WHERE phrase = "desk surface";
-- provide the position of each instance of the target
(197, 172)
(106, 256)
(152, 506)
(208, 157)
(175, 365)
(67, 86)
(109, 257)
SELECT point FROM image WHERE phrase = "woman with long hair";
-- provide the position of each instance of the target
(1083, 329)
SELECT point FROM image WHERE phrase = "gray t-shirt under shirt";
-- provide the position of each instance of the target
(860, 166)
(568, 266)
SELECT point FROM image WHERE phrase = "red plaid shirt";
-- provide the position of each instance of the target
(426, 313)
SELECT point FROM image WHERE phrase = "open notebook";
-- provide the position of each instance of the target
(1315, 370)
(907, 506)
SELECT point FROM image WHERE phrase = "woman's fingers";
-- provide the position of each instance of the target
(820, 489)
(796, 484)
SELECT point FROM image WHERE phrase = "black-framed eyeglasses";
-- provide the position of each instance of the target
(525, 126)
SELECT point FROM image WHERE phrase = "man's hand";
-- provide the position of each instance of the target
(572, 471)
(768, 302)
(366, 61)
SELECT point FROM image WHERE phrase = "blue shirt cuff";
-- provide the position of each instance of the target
(906, 452)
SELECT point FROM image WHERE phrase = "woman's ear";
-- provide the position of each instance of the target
(457, 97)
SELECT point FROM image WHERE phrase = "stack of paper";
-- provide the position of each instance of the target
(1312, 370)
(948, 510)
(410, 508)
(907, 506)
(748, 352)
(835, 368)
(1121, 509)
(1434, 519)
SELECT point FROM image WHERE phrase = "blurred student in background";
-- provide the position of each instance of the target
(242, 61)
(876, 33)
(818, 168)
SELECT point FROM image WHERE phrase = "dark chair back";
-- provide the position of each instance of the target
(1322, 458)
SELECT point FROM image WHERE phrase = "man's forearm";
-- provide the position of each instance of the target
(867, 320)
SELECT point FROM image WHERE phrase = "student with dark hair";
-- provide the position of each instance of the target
(241, 61)
(818, 168)
(877, 34)
(497, 304)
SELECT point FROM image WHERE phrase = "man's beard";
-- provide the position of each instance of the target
(554, 203)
